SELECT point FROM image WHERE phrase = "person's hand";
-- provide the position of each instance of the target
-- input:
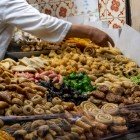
(100, 38)
(97, 36)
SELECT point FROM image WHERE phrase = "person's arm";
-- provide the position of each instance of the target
(19, 13)
(22, 15)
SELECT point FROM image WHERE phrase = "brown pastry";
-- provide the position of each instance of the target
(3, 105)
(111, 97)
(94, 112)
(98, 133)
(56, 100)
(1, 123)
(98, 94)
(43, 131)
(119, 120)
(37, 123)
(89, 136)
(87, 106)
(6, 96)
(28, 110)
(104, 118)
(17, 101)
(25, 48)
(103, 88)
(110, 108)
(68, 105)
(49, 137)
(37, 99)
(77, 129)
(39, 111)
(83, 125)
(119, 129)
(5, 136)
(19, 134)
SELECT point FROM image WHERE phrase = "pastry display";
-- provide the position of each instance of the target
(78, 91)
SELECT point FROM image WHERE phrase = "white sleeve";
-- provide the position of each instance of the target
(19, 13)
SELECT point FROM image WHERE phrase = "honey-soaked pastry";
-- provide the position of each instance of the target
(55, 110)
(25, 48)
(60, 107)
(74, 136)
(67, 105)
(95, 100)
(110, 108)
(19, 134)
(98, 133)
(131, 72)
(83, 125)
(57, 129)
(3, 105)
(49, 137)
(16, 109)
(89, 135)
(28, 102)
(5, 96)
(83, 137)
(17, 101)
(104, 118)
(98, 94)
(39, 111)
(86, 106)
(77, 129)
(15, 127)
(94, 111)
(56, 100)
(100, 126)
(48, 105)
(13, 87)
(52, 132)
(37, 123)
(119, 129)
(89, 50)
(37, 99)
(39, 88)
(2, 87)
(28, 109)
(89, 121)
(1, 123)
(9, 112)
(5, 136)
(119, 120)
(31, 136)
(43, 131)
(103, 88)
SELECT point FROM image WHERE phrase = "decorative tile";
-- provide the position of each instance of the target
(116, 22)
(48, 8)
(63, 9)
(115, 8)
(33, 1)
(102, 9)
(113, 11)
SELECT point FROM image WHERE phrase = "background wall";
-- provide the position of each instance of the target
(111, 11)
(135, 14)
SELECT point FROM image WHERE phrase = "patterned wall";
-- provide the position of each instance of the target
(111, 11)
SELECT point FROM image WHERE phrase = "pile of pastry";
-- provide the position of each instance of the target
(35, 87)
(85, 121)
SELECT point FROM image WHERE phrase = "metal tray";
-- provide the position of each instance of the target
(18, 55)
(15, 52)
